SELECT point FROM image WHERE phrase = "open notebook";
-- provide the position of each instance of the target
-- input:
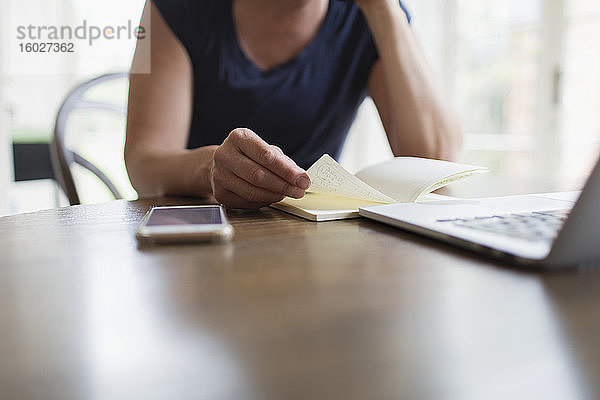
(337, 194)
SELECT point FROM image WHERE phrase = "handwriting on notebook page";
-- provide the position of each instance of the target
(328, 177)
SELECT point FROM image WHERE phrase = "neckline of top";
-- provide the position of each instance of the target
(300, 57)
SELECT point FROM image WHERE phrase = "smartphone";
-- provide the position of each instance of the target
(184, 224)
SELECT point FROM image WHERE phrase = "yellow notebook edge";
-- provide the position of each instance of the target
(315, 217)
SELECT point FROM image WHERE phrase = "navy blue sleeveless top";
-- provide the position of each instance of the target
(305, 106)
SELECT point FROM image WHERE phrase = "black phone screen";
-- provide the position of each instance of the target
(185, 216)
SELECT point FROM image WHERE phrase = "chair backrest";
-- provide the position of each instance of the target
(64, 158)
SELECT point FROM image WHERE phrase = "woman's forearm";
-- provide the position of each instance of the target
(155, 172)
(420, 122)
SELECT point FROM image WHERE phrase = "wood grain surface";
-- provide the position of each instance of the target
(288, 310)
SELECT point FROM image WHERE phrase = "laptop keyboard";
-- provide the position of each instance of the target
(537, 225)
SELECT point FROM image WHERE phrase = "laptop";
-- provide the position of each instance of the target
(548, 230)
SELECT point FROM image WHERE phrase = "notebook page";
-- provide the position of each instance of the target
(406, 179)
(329, 177)
(327, 202)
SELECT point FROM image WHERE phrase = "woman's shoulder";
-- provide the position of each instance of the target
(190, 4)
(191, 20)
(181, 11)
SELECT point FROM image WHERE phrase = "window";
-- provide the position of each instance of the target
(579, 129)
(524, 76)
(31, 100)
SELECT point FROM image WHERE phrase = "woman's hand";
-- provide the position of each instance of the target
(249, 173)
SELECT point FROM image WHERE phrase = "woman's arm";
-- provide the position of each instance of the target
(159, 115)
(416, 118)
(243, 171)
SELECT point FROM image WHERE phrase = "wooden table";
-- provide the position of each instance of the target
(290, 309)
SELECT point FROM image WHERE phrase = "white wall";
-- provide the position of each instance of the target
(5, 163)
(5, 154)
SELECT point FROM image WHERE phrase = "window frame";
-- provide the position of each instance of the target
(545, 141)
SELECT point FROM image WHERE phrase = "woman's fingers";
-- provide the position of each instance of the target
(247, 172)
(254, 194)
(252, 146)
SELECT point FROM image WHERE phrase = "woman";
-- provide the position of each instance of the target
(243, 94)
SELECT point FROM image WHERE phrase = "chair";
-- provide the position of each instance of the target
(62, 157)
